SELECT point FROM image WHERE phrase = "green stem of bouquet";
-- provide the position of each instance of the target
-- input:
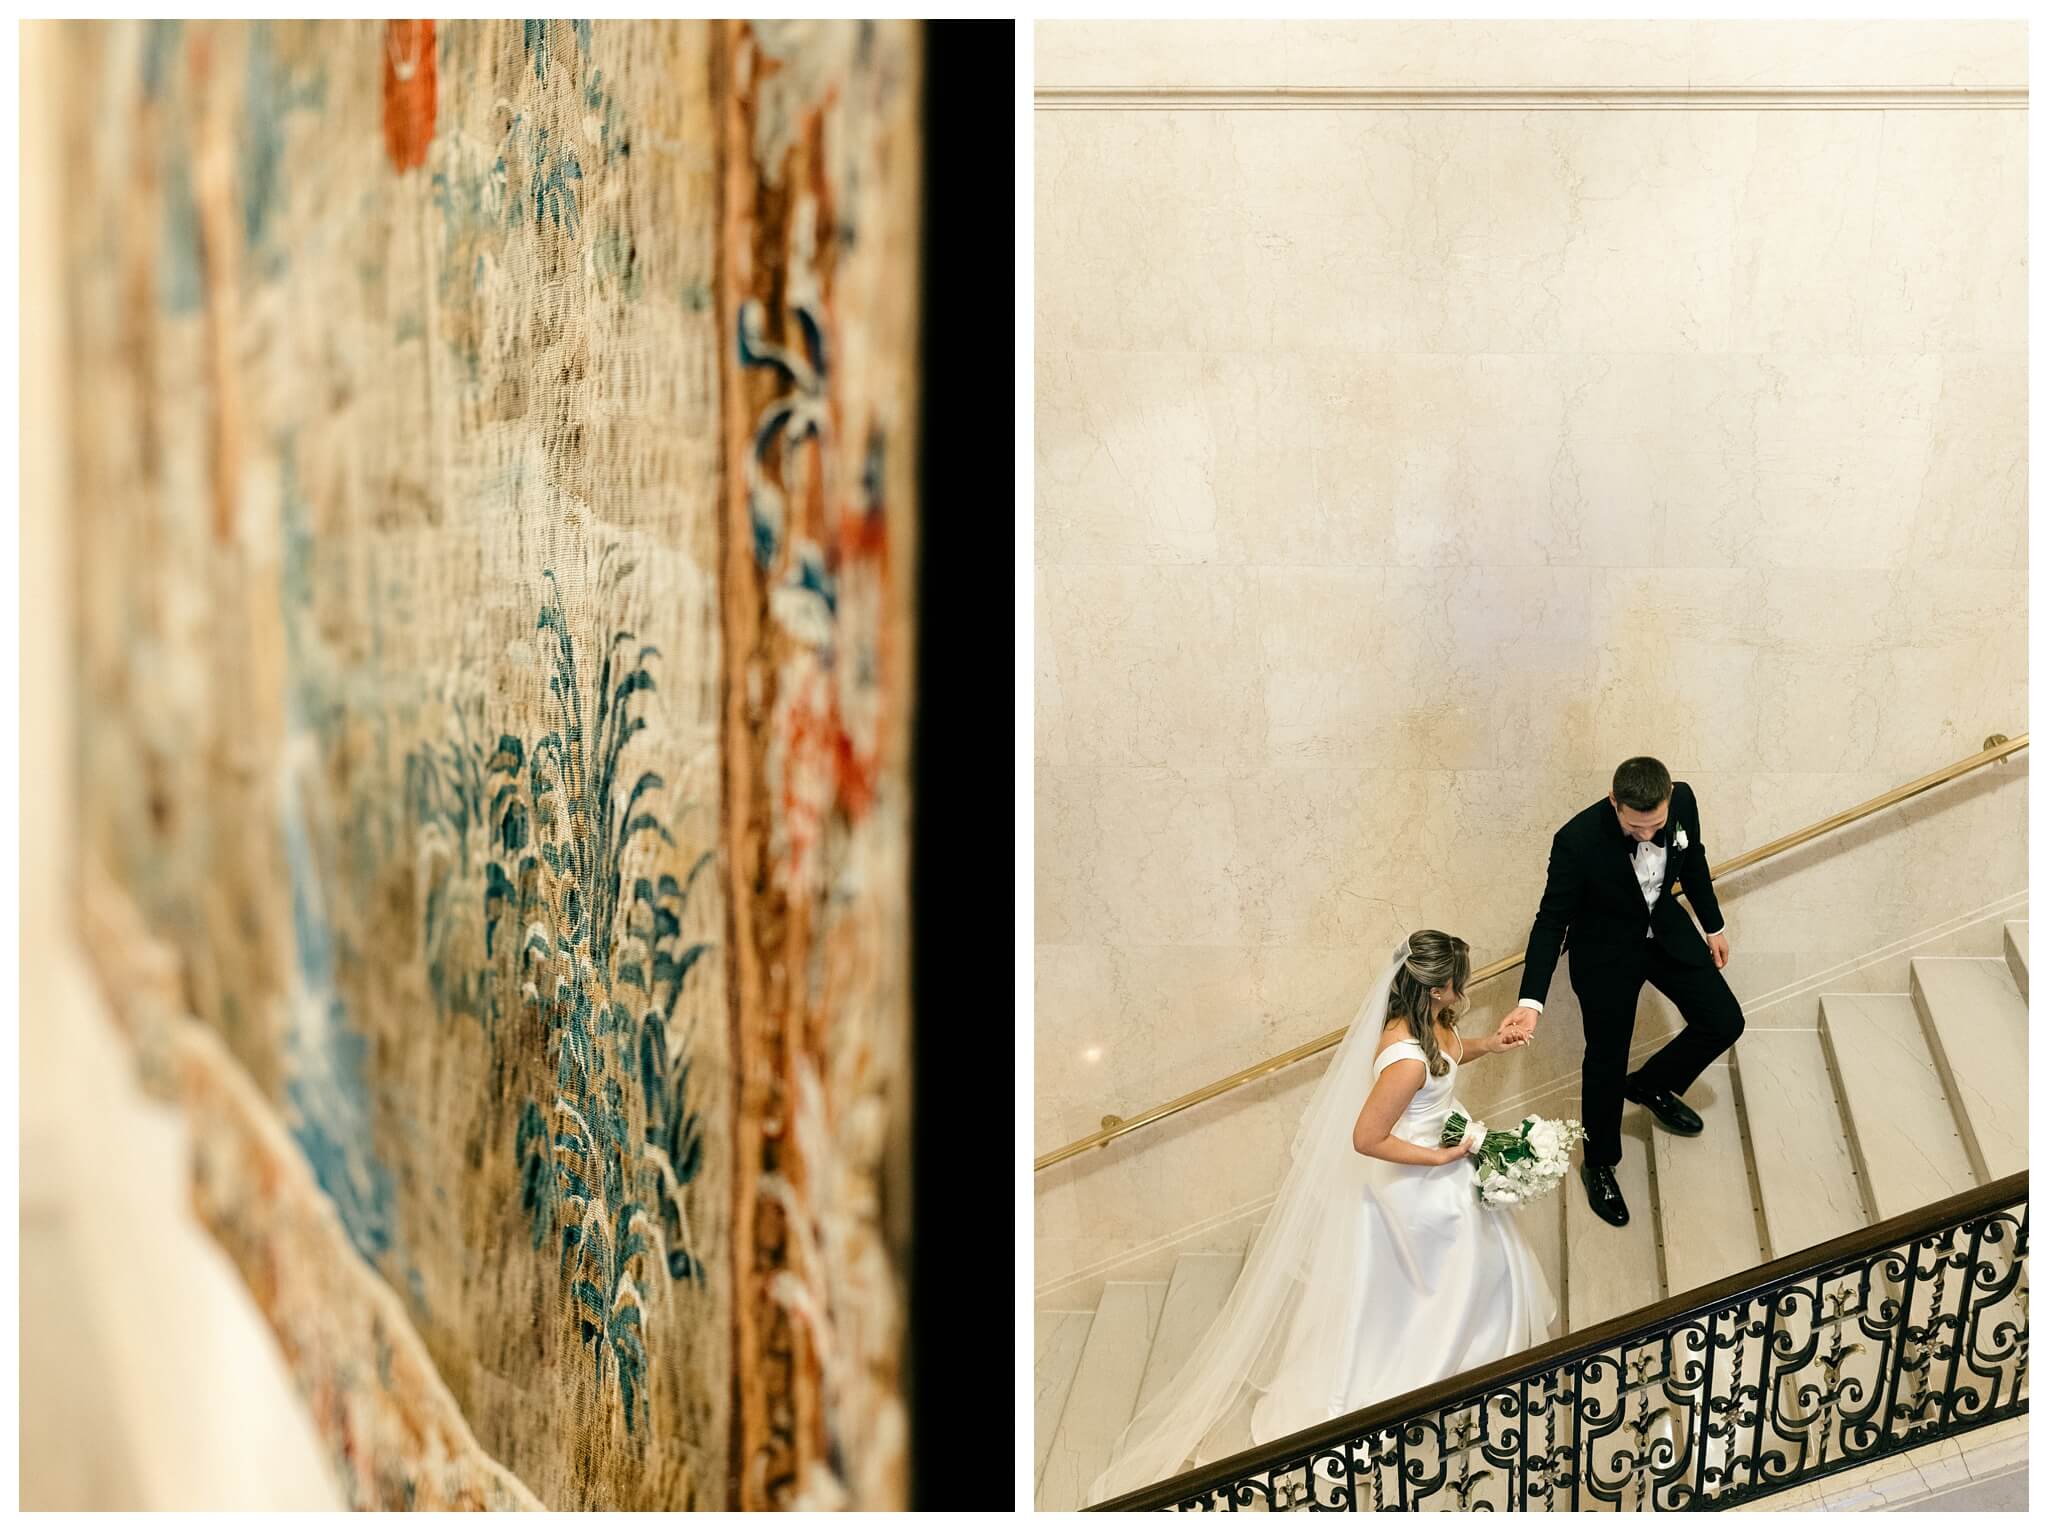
(1497, 1142)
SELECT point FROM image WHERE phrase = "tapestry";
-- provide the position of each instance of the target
(493, 471)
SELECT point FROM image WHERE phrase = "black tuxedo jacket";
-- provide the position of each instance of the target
(1592, 896)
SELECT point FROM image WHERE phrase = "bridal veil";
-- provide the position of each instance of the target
(1276, 1344)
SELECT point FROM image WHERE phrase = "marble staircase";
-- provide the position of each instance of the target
(1890, 1102)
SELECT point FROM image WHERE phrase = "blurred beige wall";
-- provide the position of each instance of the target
(45, 614)
(148, 1379)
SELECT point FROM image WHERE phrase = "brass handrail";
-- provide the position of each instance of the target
(1996, 748)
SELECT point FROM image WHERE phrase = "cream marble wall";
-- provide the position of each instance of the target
(1399, 471)
(1628, 54)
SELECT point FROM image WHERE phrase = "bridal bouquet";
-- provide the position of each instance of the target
(1514, 1167)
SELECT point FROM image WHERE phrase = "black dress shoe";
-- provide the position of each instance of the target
(1674, 1113)
(1604, 1194)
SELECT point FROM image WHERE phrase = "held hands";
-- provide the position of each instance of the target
(1516, 1027)
(1718, 945)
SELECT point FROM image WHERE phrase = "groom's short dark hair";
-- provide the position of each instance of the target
(1641, 784)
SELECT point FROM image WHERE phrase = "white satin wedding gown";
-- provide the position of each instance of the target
(1442, 1284)
(1368, 1280)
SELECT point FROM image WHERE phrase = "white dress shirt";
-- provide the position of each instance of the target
(1650, 859)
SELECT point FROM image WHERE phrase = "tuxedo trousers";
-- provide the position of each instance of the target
(1608, 991)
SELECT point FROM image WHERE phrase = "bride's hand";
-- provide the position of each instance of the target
(1514, 1031)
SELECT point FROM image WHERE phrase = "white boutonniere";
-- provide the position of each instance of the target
(1679, 840)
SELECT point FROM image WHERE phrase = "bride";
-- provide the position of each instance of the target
(1378, 1270)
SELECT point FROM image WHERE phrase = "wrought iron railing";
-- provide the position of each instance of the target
(1854, 1350)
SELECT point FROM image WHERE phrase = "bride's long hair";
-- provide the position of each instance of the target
(1435, 961)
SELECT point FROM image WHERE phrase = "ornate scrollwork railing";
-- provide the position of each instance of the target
(1845, 1353)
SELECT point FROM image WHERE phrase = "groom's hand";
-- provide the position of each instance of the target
(1517, 1026)
(1718, 945)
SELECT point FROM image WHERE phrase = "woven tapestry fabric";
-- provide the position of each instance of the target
(494, 467)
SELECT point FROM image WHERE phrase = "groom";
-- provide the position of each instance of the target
(1610, 886)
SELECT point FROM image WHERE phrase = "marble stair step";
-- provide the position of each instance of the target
(1542, 1224)
(1100, 1402)
(1194, 1297)
(1704, 1207)
(1902, 1131)
(2016, 953)
(1059, 1338)
(1799, 1141)
(1610, 1271)
(1976, 1023)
